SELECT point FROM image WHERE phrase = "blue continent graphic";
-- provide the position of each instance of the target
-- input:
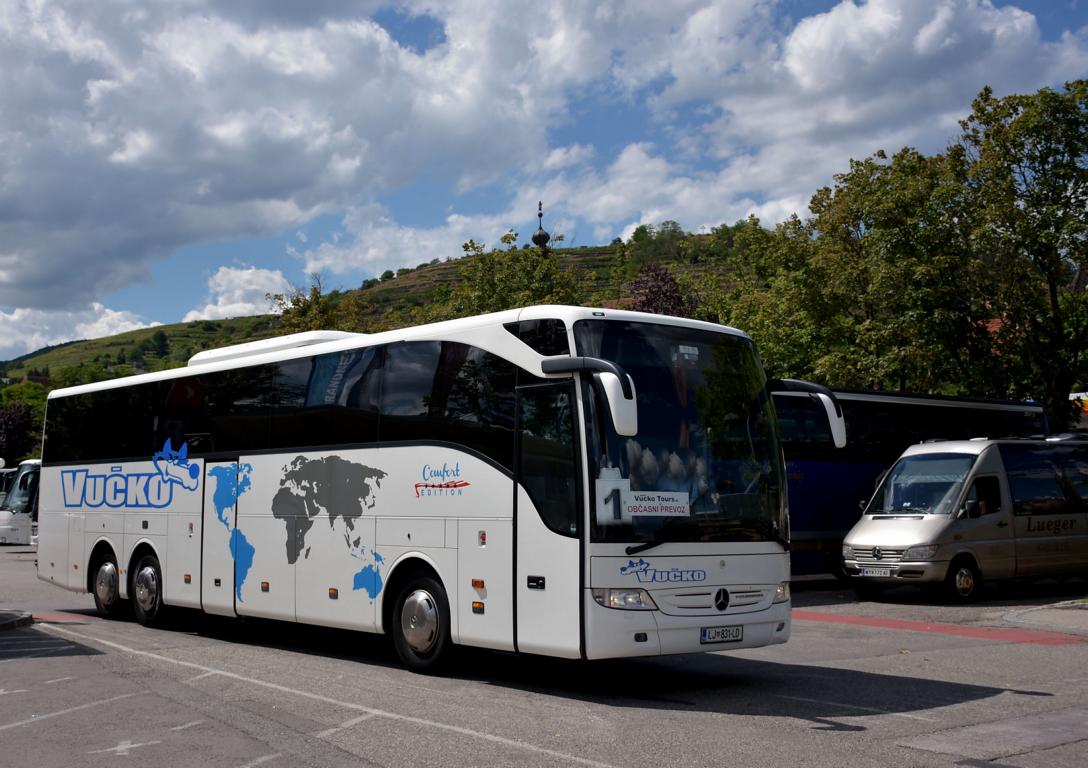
(370, 578)
(231, 481)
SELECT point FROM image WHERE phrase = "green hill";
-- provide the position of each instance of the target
(172, 345)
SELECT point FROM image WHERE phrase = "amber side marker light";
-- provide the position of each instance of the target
(334, 593)
(188, 578)
(264, 586)
(477, 583)
(477, 606)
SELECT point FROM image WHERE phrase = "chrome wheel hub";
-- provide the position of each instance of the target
(965, 581)
(146, 586)
(419, 621)
(105, 583)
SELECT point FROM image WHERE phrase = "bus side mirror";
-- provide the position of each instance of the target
(834, 420)
(618, 387)
(824, 396)
(624, 411)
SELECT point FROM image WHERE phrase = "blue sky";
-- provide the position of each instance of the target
(179, 161)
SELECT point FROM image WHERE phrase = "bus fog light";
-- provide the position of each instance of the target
(625, 599)
(782, 594)
(920, 553)
(847, 552)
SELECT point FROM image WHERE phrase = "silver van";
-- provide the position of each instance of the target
(954, 513)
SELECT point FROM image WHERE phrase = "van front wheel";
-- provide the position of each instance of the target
(963, 582)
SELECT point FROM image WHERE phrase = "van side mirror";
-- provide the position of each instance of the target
(861, 505)
(973, 508)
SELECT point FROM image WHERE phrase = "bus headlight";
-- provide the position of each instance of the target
(782, 594)
(625, 599)
(847, 552)
(925, 552)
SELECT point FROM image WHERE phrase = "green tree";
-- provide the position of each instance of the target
(490, 281)
(29, 392)
(1027, 172)
(19, 432)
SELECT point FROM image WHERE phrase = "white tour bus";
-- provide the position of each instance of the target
(555, 480)
(19, 510)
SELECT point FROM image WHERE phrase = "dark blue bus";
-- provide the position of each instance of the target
(828, 485)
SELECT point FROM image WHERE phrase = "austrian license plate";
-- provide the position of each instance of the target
(876, 571)
(721, 634)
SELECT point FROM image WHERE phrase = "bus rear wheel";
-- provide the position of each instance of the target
(147, 590)
(421, 624)
(107, 595)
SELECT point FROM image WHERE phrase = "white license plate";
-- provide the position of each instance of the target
(721, 634)
(876, 571)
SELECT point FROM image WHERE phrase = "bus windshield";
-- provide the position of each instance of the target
(706, 464)
(923, 485)
(23, 489)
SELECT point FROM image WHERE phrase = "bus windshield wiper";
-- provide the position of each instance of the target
(634, 549)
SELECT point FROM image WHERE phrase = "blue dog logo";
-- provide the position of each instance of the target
(174, 467)
(632, 567)
(642, 571)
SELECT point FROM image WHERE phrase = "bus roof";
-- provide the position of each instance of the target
(874, 396)
(485, 331)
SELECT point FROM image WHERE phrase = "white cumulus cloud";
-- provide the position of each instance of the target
(239, 292)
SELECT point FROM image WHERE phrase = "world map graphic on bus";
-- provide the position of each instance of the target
(336, 488)
(231, 481)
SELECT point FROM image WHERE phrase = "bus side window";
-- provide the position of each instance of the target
(987, 491)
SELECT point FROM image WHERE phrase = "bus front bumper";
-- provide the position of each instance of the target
(613, 633)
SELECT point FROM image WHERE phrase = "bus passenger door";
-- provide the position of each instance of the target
(547, 573)
(220, 518)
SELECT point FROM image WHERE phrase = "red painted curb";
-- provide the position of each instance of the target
(63, 617)
(980, 633)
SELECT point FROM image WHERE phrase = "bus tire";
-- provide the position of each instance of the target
(421, 624)
(106, 587)
(963, 583)
(147, 590)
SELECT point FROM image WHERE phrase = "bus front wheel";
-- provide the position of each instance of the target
(421, 624)
(147, 590)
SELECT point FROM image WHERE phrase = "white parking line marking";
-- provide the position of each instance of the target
(5, 692)
(343, 726)
(857, 707)
(123, 747)
(264, 759)
(39, 718)
(187, 725)
(58, 680)
(201, 677)
(514, 743)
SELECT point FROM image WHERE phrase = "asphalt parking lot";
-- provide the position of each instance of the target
(907, 681)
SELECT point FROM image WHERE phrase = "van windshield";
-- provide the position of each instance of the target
(926, 484)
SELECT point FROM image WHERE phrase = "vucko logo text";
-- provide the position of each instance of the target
(83, 488)
(642, 571)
